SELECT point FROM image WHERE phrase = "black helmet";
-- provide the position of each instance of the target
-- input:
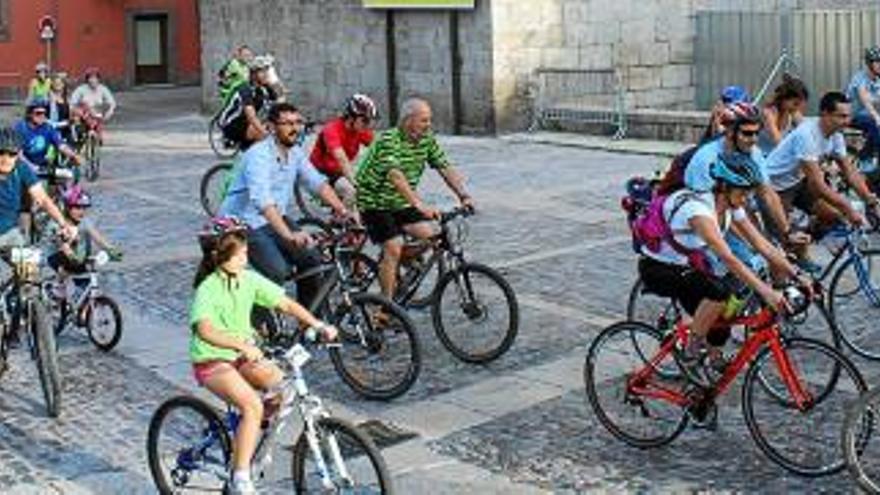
(872, 54)
(9, 138)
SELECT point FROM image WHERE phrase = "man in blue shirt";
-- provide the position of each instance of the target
(38, 137)
(864, 93)
(260, 195)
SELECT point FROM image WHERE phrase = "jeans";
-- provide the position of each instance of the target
(275, 259)
(865, 123)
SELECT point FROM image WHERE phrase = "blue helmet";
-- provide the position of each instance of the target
(36, 103)
(734, 94)
(736, 169)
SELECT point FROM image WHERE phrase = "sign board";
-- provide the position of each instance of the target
(419, 4)
(46, 27)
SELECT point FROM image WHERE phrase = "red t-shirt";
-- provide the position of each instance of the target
(335, 135)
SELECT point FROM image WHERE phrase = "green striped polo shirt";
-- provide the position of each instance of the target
(394, 150)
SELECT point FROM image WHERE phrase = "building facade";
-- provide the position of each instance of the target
(132, 42)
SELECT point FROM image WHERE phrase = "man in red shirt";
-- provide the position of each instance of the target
(339, 143)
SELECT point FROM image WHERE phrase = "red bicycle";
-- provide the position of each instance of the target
(643, 394)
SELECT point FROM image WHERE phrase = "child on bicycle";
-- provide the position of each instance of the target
(70, 257)
(226, 359)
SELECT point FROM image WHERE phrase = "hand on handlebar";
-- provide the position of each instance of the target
(251, 352)
(776, 300)
(795, 238)
(68, 232)
(301, 240)
(856, 218)
(428, 212)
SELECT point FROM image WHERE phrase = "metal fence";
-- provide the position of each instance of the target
(824, 48)
(580, 96)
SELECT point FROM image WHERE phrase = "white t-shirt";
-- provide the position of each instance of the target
(805, 143)
(98, 100)
(689, 205)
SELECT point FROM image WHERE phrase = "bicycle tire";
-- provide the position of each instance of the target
(472, 313)
(664, 321)
(375, 346)
(92, 158)
(593, 382)
(163, 482)
(849, 334)
(217, 141)
(843, 367)
(46, 354)
(858, 426)
(105, 345)
(330, 427)
(422, 298)
(213, 180)
(363, 270)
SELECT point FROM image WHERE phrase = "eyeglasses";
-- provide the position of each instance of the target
(281, 123)
(38, 112)
(749, 133)
(8, 152)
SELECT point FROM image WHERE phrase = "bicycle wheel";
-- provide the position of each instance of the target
(854, 304)
(310, 206)
(213, 186)
(427, 290)
(805, 440)
(93, 160)
(104, 323)
(353, 463)
(363, 270)
(379, 355)
(657, 311)
(188, 447)
(218, 141)
(464, 315)
(862, 452)
(638, 419)
(46, 354)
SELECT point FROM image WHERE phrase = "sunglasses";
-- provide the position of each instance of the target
(749, 133)
(38, 112)
(8, 152)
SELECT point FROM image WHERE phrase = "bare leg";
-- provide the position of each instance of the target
(230, 386)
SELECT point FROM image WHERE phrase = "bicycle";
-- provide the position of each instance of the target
(57, 179)
(379, 360)
(90, 146)
(456, 292)
(87, 307)
(222, 147)
(808, 374)
(331, 455)
(24, 307)
(863, 459)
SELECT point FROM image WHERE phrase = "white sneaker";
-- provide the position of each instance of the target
(241, 487)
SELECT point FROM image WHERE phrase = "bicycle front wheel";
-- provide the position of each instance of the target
(46, 354)
(218, 141)
(352, 462)
(802, 438)
(657, 311)
(854, 303)
(188, 447)
(213, 187)
(379, 355)
(93, 157)
(475, 313)
(861, 451)
(104, 323)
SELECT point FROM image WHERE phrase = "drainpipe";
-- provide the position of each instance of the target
(391, 64)
(455, 54)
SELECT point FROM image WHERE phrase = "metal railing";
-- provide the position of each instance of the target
(12, 89)
(579, 96)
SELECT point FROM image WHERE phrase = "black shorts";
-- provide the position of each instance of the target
(59, 260)
(383, 225)
(682, 283)
(236, 132)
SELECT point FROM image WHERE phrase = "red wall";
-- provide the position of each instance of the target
(95, 33)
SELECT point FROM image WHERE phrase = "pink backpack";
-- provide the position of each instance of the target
(650, 228)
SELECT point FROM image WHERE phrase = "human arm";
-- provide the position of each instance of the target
(398, 180)
(816, 181)
(868, 102)
(99, 238)
(109, 100)
(455, 181)
(745, 229)
(344, 163)
(218, 338)
(771, 124)
(42, 200)
(856, 180)
(290, 307)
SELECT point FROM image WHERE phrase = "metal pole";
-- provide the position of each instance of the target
(455, 53)
(391, 62)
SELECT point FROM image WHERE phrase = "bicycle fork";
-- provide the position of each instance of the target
(790, 376)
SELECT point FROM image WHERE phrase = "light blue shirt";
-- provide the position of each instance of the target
(267, 179)
(859, 80)
(805, 143)
(697, 175)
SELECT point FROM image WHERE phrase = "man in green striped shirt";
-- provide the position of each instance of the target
(387, 180)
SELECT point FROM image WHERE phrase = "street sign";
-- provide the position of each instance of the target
(46, 27)
(419, 4)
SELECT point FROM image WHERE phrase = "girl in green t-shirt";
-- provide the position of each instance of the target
(225, 358)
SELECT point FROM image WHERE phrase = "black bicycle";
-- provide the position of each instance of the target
(23, 309)
(379, 355)
(465, 297)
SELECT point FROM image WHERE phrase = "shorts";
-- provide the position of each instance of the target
(683, 284)
(797, 196)
(205, 369)
(236, 132)
(60, 260)
(383, 225)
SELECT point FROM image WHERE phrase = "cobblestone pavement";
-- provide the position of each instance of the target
(548, 219)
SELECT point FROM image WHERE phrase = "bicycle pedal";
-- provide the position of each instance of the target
(704, 415)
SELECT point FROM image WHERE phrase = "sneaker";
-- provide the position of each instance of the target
(691, 360)
(240, 487)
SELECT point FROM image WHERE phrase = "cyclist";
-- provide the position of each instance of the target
(59, 109)
(222, 347)
(240, 118)
(387, 180)
(783, 112)
(795, 169)
(340, 141)
(38, 87)
(93, 101)
(864, 93)
(235, 72)
(720, 114)
(696, 266)
(40, 139)
(261, 192)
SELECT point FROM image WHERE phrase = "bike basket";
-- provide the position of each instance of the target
(26, 262)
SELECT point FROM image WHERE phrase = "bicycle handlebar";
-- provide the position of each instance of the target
(458, 211)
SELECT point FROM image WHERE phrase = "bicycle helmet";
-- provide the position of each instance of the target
(261, 62)
(10, 140)
(41, 67)
(736, 169)
(872, 54)
(91, 71)
(218, 227)
(743, 112)
(734, 94)
(76, 197)
(36, 103)
(360, 105)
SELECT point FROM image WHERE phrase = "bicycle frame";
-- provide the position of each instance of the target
(766, 335)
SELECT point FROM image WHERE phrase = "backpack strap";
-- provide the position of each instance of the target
(670, 236)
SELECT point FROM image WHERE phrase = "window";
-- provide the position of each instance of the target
(5, 24)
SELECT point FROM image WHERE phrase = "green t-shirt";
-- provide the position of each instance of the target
(39, 90)
(394, 150)
(227, 304)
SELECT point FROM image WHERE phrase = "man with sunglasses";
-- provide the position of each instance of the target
(261, 192)
(795, 166)
(39, 137)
